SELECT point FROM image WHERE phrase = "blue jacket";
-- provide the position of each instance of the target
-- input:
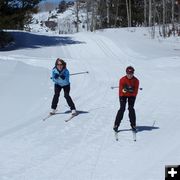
(60, 77)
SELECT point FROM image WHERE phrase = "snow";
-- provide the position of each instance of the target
(85, 147)
(65, 21)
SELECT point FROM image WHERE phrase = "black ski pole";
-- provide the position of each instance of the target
(84, 72)
(114, 87)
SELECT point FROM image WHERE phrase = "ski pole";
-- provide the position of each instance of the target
(114, 87)
(84, 72)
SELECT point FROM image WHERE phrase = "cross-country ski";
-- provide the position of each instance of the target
(48, 116)
(71, 117)
(116, 136)
(134, 134)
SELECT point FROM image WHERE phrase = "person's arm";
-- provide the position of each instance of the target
(55, 76)
(136, 87)
(66, 75)
(121, 87)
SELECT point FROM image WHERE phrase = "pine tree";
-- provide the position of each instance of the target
(62, 6)
(14, 14)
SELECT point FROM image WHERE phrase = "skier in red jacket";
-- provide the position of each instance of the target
(128, 89)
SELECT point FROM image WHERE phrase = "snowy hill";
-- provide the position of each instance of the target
(59, 23)
(85, 148)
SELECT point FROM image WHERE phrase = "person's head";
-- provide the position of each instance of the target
(130, 72)
(60, 64)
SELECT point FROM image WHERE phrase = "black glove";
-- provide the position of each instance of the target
(62, 77)
(130, 89)
(56, 76)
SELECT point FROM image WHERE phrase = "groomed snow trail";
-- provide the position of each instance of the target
(85, 147)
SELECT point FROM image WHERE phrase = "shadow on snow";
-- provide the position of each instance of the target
(146, 128)
(141, 128)
(29, 40)
(68, 112)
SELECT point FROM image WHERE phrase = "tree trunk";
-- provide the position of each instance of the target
(95, 14)
(87, 14)
(77, 15)
(164, 19)
(127, 9)
(172, 19)
(150, 13)
(93, 18)
(159, 21)
(145, 13)
(107, 6)
(130, 14)
(179, 12)
(154, 18)
(117, 12)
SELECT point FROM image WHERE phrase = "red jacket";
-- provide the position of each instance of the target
(128, 87)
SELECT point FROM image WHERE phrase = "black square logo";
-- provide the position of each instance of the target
(172, 172)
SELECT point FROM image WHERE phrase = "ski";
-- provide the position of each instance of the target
(134, 134)
(71, 117)
(116, 136)
(48, 116)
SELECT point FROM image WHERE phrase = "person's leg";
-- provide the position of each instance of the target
(68, 97)
(120, 112)
(132, 114)
(55, 100)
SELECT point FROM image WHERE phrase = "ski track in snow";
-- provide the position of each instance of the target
(85, 147)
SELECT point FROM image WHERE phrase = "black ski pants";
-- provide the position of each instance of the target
(132, 115)
(57, 90)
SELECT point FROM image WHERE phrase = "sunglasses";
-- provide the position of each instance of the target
(59, 64)
(130, 73)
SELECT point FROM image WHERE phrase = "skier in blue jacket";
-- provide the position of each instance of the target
(60, 77)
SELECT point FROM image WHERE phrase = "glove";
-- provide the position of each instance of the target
(131, 90)
(124, 90)
(56, 76)
(62, 77)
(128, 89)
